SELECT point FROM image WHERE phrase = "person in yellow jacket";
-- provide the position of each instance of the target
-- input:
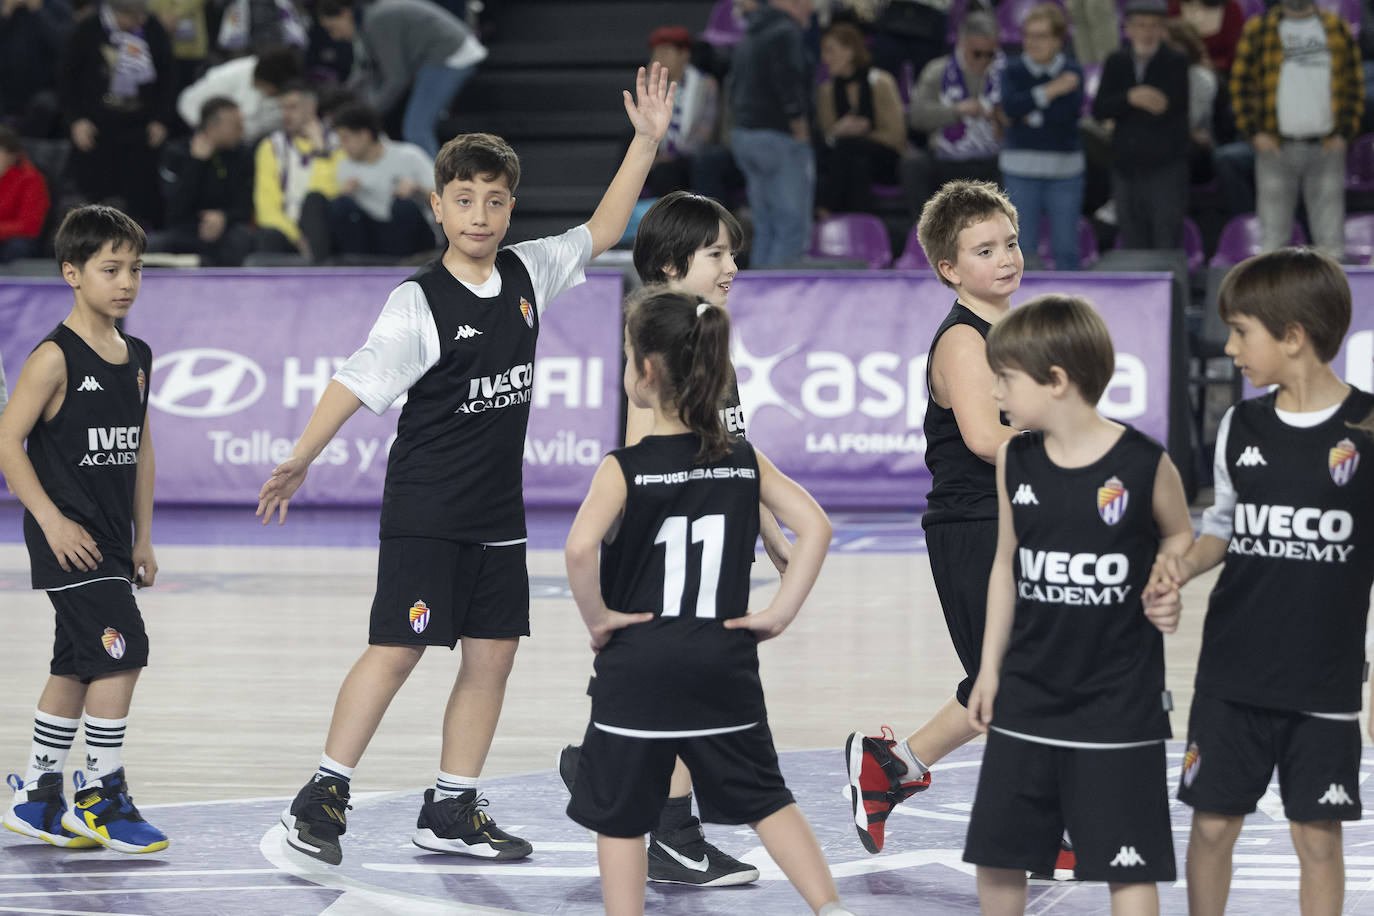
(294, 178)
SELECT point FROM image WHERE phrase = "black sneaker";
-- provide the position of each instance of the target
(567, 765)
(316, 819)
(459, 826)
(683, 856)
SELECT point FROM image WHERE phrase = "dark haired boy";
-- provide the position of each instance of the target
(381, 182)
(86, 480)
(1280, 675)
(458, 339)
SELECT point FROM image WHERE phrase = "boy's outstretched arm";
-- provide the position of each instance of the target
(650, 109)
(335, 407)
(43, 376)
(794, 508)
(1175, 528)
(145, 561)
(1001, 608)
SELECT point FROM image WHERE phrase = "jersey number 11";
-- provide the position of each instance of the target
(709, 532)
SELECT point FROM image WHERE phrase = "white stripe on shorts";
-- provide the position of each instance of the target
(691, 733)
(1335, 716)
(1082, 745)
(63, 588)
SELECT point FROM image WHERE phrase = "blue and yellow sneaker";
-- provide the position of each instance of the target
(104, 812)
(37, 812)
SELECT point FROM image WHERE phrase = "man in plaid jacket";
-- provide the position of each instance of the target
(1297, 93)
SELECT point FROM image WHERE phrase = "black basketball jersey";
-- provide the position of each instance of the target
(1285, 624)
(963, 486)
(86, 457)
(731, 413)
(456, 470)
(683, 551)
(1084, 664)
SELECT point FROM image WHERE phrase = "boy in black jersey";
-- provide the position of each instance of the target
(677, 660)
(969, 232)
(687, 243)
(1279, 677)
(86, 481)
(458, 340)
(1071, 687)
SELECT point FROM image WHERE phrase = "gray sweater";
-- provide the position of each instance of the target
(401, 36)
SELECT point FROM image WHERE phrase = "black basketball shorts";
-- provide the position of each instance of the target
(431, 592)
(99, 630)
(622, 781)
(1233, 749)
(961, 555)
(1114, 803)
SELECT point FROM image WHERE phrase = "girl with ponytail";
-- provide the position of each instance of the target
(658, 560)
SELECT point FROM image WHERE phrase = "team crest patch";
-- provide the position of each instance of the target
(114, 643)
(1342, 462)
(527, 310)
(419, 616)
(142, 383)
(1111, 500)
(1191, 759)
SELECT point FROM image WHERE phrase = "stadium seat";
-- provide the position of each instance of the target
(852, 235)
(1240, 239)
(1087, 243)
(1359, 237)
(1359, 164)
(1010, 15)
(1192, 244)
(913, 256)
(723, 28)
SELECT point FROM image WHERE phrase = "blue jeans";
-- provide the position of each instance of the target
(435, 86)
(1061, 201)
(780, 181)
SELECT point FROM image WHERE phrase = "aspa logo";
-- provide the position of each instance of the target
(1343, 461)
(205, 383)
(1111, 500)
(419, 616)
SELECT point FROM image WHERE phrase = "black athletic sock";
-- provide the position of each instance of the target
(676, 811)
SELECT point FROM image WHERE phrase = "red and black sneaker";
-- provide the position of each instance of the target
(877, 781)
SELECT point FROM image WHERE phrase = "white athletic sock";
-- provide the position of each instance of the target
(914, 767)
(52, 740)
(448, 785)
(329, 767)
(104, 745)
(834, 908)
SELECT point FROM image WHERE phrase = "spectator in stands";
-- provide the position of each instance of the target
(1202, 97)
(909, 31)
(294, 175)
(859, 111)
(254, 26)
(384, 189)
(253, 83)
(689, 158)
(770, 96)
(1298, 96)
(209, 190)
(32, 34)
(186, 26)
(23, 200)
(1096, 29)
(955, 105)
(1042, 159)
(1218, 23)
(116, 89)
(409, 45)
(1144, 92)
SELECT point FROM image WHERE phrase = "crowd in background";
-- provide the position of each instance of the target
(234, 128)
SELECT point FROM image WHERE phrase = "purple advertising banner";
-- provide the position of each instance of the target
(240, 359)
(832, 368)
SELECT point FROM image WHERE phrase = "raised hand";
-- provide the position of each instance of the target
(651, 107)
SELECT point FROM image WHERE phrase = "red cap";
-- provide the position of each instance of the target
(670, 35)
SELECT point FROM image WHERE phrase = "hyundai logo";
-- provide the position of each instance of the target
(205, 383)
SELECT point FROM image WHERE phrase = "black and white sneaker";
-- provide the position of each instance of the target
(316, 819)
(683, 856)
(459, 826)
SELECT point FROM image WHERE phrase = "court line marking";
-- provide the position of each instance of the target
(180, 873)
(161, 890)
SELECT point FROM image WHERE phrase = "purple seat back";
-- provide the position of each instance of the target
(861, 236)
(1240, 239)
(1359, 236)
(1010, 15)
(723, 28)
(1349, 10)
(1251, 8)
(913, 256)
(1359, 164)
(1087, 243)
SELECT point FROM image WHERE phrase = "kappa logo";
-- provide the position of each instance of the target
(1127, 858)
(206, 382)
(527, 311)
(1342, 462)
(1336, 795)
(1025, 496)
(466, 332)
(1251, 458)
(694, 864)
(1112, 497)
(419, 616)
(114, 643)
(89, 384)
